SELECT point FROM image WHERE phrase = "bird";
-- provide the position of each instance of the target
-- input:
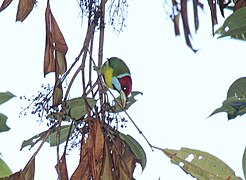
(117, 76)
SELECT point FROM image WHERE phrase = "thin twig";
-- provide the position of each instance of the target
(40, 146)
(89, 34)
(140, 132)
(57, 146)
(100, 51)
(71, 82)
(90, 64)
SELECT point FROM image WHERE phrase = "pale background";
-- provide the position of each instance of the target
(180, 88)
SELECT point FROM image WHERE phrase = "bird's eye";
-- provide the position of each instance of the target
(124, 88)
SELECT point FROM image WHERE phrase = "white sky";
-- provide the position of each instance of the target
(180, 88)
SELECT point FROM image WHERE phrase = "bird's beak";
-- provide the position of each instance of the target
(123, 98)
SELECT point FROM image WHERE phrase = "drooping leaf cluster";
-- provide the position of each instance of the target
(235, 104)
(180, 10)
(91, 120)
(234, 26)
(4, 96)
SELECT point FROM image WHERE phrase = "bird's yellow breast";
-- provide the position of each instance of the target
(107, 72)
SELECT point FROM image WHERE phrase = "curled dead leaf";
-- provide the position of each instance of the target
(57, 93)
(24, 9)
(61, 167)
(5, 4)
(29, 170)
(55, 46)
(91, 156)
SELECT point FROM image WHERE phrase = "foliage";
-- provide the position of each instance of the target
(4, 169)
(178, 9)
(91, 120)
(200, 165)
(235, 104)
(244, 162)
(4, 96)
(235, 25)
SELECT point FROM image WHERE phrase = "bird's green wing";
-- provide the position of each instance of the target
(118, 66)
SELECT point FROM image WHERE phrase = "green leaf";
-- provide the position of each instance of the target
(237, 88)
(226, 107)
(3, 125)
(4, 169)
(63, 135)
(234, 25)
(136, 148)
(200, 165)
(77, 107)
(130, 101)
(244, 163)
(5, 96)
(51, 139)
(58, 115)
(235, 104)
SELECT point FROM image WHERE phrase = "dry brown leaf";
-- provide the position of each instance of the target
(176, 24)
(91, 155)
(61, 62)
(26, 174)
(221, 6)
(239, 4)
(175, 17)
(129, 160)
(82, 172)
(24, 9)
(212, 6)
(98, 139)
(184, 15)
(49, 60)
(107, 164)
(56, 34)
(15, 176)
(196, 19)
(55, 46)
(57, 93)
(123, 159)
(5, 4)
(29, 170)
(62, 165)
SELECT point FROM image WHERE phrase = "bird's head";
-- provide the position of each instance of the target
(125, 84)
(124, 87)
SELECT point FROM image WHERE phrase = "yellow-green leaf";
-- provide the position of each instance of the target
(63, 135)
(4, 169)
(200, 165)
(61, 62)
(57, 93)
(51, 139)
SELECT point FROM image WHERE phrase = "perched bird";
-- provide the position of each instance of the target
(117, 76)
